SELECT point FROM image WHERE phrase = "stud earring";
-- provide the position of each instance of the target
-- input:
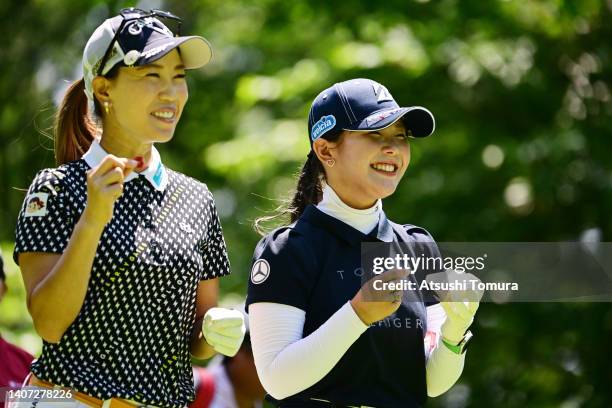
(331, 162)
(107, 107)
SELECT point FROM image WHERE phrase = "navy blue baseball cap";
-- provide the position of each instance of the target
(363, 105)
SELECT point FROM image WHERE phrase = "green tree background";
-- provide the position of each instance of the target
(521, 94)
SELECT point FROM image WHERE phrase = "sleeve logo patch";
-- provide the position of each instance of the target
(260, 271)
(36, 205)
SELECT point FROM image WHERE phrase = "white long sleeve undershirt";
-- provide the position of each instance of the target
(287, 363)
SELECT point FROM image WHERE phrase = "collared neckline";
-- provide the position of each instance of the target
(155, 174)
(383, 231)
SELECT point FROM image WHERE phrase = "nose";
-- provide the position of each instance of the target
(390, 148)
(168, 91)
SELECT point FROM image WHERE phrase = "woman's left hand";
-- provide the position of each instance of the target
(224, 330)
(459, 317)
(460, 308)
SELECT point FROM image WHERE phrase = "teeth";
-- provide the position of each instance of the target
(164, 115)
(384, 167)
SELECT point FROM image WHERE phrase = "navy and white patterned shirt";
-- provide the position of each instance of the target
(132, 336)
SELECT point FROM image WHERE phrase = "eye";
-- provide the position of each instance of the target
(153, 74)
(180, 76)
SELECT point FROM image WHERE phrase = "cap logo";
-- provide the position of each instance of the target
(382, 93)
(155, 51)
(377, 117)
(135, 27)
(260, 271)
(158, 26)
(325, 124)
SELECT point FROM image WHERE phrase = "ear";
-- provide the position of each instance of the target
(324, 149)
(101, 87)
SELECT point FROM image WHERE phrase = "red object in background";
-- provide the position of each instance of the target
(204, 387)
(15, 364)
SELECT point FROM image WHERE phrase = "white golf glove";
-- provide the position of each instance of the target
(224, 330)
(460, 308)
(459, 317)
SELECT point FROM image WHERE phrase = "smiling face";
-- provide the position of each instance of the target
(147, 101)
(368, 165)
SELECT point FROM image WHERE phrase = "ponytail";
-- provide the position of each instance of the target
(309, 190)
(74, 130)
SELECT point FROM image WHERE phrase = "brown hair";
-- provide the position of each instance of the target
(307, 191)
(74, 129)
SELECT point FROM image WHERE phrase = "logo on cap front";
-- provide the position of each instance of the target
(378, 116)
(155, 51)
(382, 93)
(325, 124)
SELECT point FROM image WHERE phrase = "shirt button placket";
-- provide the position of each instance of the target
(156, 251)
(148, 220)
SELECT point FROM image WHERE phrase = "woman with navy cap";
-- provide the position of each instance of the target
(120, 255)
(319, 339)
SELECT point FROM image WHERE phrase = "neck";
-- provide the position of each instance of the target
(362, 219)
(349, 193)
(124, 148)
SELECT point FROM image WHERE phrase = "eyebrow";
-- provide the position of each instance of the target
(178, 67)
(400, 133)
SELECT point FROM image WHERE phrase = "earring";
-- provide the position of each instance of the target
(107, 107)
(331, 162)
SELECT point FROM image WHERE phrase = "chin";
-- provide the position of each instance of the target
(384, 191)
(163, 138)
(377, 192)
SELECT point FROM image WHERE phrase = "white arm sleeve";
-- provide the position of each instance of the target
(443, 366)
(287, 363)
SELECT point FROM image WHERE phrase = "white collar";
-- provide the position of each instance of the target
(156, 173)
(362, 220)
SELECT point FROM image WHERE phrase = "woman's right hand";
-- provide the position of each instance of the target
(372, 305)
(104, 187)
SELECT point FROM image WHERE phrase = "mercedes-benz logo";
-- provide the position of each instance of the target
(260, 271)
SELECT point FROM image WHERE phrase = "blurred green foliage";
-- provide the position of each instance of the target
(521, 94)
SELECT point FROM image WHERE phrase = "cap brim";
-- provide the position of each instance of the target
(195, 51)
(418, 120)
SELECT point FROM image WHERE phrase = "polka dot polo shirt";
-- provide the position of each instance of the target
(131, 338)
